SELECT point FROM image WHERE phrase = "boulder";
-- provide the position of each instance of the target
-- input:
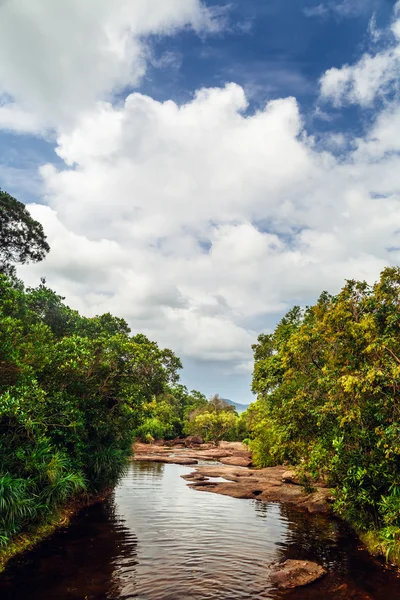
(158, 443)
(296, 573)
(193, 440)
(290, 477)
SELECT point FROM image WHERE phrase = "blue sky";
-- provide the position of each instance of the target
(202, 216)
(271, 48)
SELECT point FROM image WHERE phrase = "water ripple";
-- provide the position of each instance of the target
(157, 539)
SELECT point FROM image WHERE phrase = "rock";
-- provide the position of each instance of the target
(194, 477)
(226, 489)
(172, 460)
(296, 573)
(290, 477)
(158, 443)
(193, 440)
(237, 461)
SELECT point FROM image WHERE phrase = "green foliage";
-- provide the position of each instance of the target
(214, 421)
(21, 238)
(328, 388)
(72, 392)
(165, 415)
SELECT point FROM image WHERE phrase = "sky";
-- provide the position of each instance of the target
(200, 167)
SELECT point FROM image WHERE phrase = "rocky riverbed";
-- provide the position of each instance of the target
(236, 477)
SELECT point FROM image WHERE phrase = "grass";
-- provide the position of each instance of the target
(381, 544)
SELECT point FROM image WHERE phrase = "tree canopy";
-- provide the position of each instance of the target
(328, 388)
(22, 239)
(72, 392)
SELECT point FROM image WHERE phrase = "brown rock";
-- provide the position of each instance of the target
(290, 477)
(238, 461)
(193, 440)
(226, 489)
(172, 460)
(296, 573)
(158, 443)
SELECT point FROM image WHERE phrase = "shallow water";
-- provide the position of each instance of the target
(157, 539)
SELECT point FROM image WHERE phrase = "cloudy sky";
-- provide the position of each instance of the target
(200, 167)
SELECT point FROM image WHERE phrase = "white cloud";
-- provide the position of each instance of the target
(371, 77)
(57, 58)
(13, 118)
(200, 223)
(345, 8)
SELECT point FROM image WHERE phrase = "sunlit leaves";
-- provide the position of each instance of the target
(329, 394)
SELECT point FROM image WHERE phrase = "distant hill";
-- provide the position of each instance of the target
(239, 407)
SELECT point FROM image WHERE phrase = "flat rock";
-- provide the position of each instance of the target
(264, 484)
(272, 484)
(296, 573)
(225, 489)
(171, 460)
(239, 461)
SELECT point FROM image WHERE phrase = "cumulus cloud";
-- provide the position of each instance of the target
(201, 223)
(57, 58)
(371, 77)
(197, 222)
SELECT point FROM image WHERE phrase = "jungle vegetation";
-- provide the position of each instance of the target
(328, 387)
(73, 390)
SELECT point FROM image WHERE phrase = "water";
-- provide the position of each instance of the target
(157, 539)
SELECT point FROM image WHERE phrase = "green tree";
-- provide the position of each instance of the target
(327, 382)
(164, 416)
(213, 420)
(22, 239)
(213, 426)
(72, 392)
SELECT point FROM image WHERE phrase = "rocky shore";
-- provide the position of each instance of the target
(230, 463)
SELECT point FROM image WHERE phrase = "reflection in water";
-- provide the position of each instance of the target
(79, 562)
(159, 540)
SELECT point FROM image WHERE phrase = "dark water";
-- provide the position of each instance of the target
(156, 539)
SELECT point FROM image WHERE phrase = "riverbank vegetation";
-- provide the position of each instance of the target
(73, 390)
(214, 421)
(328, 383)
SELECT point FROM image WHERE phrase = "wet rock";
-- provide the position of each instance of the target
(194, 477)
(226, 489)
(265, 485)
(296, 573)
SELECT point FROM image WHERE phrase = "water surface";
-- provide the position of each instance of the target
(157, 539)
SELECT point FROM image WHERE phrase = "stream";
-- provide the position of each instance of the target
(157, 539)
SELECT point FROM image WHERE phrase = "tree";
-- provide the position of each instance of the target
(72, 391)
(328, 390)
(213, 426)
(213, 420)
(22, 239)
